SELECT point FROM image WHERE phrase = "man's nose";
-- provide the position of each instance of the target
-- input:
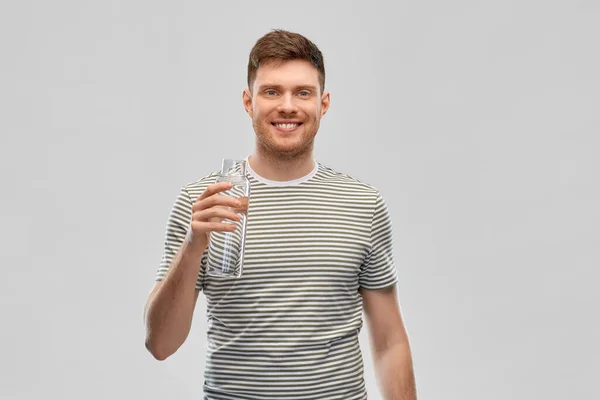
(287, 104)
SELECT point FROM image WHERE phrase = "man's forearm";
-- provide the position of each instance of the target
(395, 373)
(170, 309)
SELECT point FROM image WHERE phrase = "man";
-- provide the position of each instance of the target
(318, 254)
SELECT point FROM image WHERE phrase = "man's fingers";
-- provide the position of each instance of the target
(216, 200)
(215, 212)
(243, 202)
(200, 226)
(215, 188)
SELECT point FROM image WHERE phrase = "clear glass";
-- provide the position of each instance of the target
(226, 249)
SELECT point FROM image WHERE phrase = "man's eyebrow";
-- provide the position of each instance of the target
(279, 87)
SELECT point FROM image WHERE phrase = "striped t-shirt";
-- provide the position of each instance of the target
(288, 327)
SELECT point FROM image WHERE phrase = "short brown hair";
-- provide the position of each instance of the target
(281, 45)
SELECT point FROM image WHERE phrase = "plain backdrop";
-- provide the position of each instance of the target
(477, 120)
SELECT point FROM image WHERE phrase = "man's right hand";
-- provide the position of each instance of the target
(208, 212)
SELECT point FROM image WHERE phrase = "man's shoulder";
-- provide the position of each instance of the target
(344, 181)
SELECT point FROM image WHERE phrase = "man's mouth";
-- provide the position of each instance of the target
(286, 126)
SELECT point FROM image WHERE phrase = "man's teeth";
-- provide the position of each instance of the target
(286, 126)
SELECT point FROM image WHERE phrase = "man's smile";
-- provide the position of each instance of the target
(286, 126)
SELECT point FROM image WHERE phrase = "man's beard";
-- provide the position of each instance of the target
(267, 145)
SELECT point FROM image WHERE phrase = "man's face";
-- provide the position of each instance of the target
(286, 106)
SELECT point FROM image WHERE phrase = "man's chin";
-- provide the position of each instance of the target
(287, 152)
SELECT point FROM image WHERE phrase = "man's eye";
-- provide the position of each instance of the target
(304, 93)
(271, 93)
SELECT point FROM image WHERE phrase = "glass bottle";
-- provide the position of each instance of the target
(226, 249)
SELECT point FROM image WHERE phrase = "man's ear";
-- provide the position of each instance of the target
(247, 101)
(325, 100)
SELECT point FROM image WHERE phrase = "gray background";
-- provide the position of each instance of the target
(478, 121)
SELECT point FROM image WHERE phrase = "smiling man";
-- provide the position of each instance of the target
(318, 255)
(286, 102)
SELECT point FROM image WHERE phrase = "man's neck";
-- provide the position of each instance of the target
(281, 169)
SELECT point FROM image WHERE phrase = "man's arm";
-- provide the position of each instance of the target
(390, 345)
(170, 307)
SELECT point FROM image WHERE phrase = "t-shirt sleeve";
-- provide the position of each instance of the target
(177, 227)
(379, 269)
